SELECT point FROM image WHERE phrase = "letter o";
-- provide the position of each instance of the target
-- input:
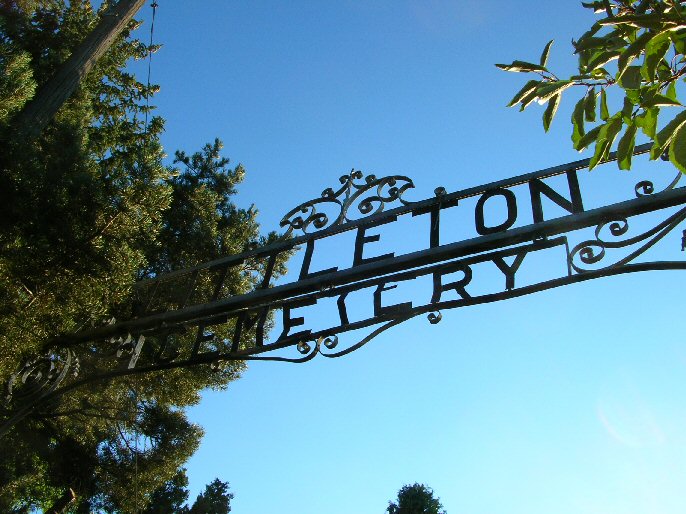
(511, 202)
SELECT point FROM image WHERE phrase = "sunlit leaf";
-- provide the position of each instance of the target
(589, 43)
(677, 149)
(655, 51)
(647, 121)
(550, 111)
(625, 148)
(578, 130)
(527, 100)
(589, 105)
(631, 52)
(659, 99)
(546, 52)
(653, 21)
(547, 90)
(631, 78)
(588, 138)
(664, 136)
(671, 90)
(601, 58)
(604, 113)
(528, 88)
(606, 136)
(678, 37)
(521, 66)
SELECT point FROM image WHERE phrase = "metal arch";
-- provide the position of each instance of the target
(56, 372)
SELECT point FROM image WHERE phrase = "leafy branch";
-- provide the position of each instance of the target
(637, 47)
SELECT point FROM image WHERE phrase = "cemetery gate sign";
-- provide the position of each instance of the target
(177, 326)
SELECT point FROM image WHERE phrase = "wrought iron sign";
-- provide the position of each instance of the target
(178, 324)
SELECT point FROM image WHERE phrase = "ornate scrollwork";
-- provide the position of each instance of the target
(434, 317)
(592, 251)
(646, 187)
(385, 190)
(41, 376)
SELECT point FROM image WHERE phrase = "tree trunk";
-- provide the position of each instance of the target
(31, 121)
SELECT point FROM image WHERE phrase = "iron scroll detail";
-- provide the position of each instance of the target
(588, 253)
(307, 218)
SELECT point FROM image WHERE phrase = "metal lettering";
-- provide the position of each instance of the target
(361, 239)
(509, 271)
(511, 202)
(458, 285)
(305, 269)
(390, 309)
(537, 186)
(289, 322)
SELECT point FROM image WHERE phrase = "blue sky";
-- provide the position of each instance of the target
(566, 401)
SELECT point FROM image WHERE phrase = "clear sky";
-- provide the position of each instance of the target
(567, 401)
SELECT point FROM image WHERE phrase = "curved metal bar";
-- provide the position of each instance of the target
(312, 353)
(368, 338)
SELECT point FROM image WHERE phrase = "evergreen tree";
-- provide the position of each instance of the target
(415, 499)
(86, 210)
(216, 499)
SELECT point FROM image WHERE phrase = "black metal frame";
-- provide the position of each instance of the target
(162, 315)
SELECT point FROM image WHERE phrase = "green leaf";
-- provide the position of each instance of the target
(600, 73)
(528, 88)
(677, 149)
(521, 67)
(601, 58)
(578, 130)
(625, 148)
(654, 20)
(588, 138)
(527, 100)
(590, 32)
(631, 52)
(655, 51)
(647, 121)
(665, 136)
(546, 52)
(671, 90)
(631, 78)
(550, 111)
(604, 113)
(658, 99)
(597, 6)
(678, 37)
(606, 136)
(589, 43)
(547, 90)
(627, 110)
(590, 104)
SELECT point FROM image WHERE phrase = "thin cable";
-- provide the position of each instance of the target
(147, 88)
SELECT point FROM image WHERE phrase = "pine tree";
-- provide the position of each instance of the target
(415, 499)
(86, 210)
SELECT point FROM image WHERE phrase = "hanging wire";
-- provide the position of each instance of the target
(147, 89)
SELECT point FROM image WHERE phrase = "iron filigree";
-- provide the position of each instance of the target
(309, 215)
(586, 254)
(41, 376)
(646, 187)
